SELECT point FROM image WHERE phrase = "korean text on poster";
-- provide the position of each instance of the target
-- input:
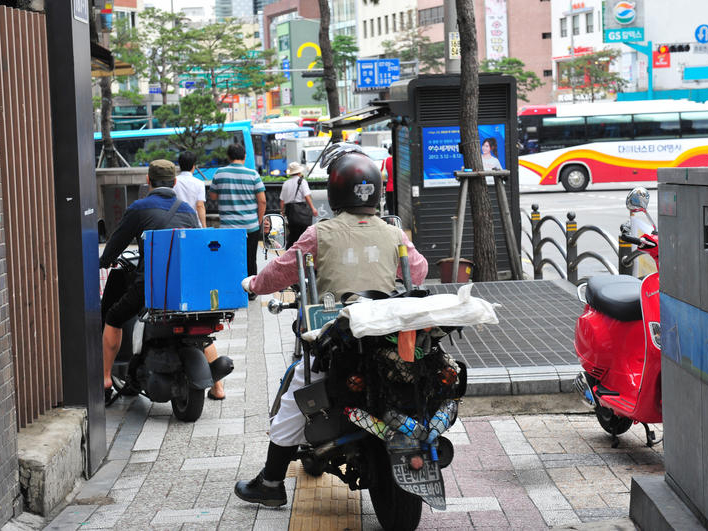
(442, 157)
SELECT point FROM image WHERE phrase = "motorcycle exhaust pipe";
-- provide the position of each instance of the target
(584, 390)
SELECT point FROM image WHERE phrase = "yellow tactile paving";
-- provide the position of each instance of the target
(323, 503)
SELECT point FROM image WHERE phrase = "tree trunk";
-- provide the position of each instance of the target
(109, 152)
(330, 76)
(485, 252)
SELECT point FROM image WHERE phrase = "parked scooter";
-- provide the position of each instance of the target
(375, 421)
(162, 353)
(618, 340)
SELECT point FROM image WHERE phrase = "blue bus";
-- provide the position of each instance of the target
(127, 143)
(269, 148)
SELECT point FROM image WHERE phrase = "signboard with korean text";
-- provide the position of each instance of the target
(375, 74)
(496, 29)
(661, 60)
(623, 20)
(81, 10)
(441, 152)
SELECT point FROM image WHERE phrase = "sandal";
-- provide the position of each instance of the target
(212, 396)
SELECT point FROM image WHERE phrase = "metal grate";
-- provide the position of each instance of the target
(536, 325)
(28, 211)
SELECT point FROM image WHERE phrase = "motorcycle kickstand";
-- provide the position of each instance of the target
(615, 440)
(651, 436)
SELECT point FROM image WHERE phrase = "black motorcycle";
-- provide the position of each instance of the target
(375, 420)
(162, 353)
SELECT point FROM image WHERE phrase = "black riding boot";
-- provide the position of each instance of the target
(267, 487)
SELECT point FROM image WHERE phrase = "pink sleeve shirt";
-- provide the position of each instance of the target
(282, 272)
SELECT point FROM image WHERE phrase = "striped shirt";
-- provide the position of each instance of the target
(236, 187)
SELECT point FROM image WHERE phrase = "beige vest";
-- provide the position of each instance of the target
(355, 253)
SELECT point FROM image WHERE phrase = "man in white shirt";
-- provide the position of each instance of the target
(190, 189)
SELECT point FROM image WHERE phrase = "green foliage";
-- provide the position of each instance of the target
(195, 112)
(413, 45)
(526, 80)
(345, 52)
(590, 74)
(218, 51)
(158, 47)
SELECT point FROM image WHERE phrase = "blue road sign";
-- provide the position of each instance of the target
(286, 68)
(702, 33)
(377, 73)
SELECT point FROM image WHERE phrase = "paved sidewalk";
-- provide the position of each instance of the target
(509, 472)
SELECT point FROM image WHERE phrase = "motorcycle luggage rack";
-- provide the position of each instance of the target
(156, 316)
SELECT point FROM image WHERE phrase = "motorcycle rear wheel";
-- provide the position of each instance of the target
(611, 423)
(395, 508)
(189, 408)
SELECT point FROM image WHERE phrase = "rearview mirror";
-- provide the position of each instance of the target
(638, 200)
(393, 220)
(273, 231)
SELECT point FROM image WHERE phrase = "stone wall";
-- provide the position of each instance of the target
(9, 485)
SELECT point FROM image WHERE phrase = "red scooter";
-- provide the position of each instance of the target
(617, 340)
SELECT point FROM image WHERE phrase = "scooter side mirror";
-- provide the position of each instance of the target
(393, 220)
(273, 232)
(638, 200)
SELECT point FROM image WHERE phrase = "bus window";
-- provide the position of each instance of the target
(562, 131)
(694, 124)
(608, 128)
(659, 125)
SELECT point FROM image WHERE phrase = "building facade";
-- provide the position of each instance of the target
(505, 28)
(579, 28)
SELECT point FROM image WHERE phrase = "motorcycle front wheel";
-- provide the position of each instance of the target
(395, 508)
(188, 407)
(611, 423)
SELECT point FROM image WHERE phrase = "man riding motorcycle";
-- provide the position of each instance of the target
(159, 210)
(354, 251)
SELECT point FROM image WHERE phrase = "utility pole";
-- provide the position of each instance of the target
(452, 66)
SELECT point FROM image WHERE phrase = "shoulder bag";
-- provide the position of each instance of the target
(298, 213)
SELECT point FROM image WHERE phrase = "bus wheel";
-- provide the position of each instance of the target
(575, 178)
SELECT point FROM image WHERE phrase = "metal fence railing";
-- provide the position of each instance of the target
(568, 246)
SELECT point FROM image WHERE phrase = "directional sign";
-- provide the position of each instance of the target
(286, 68)
(377, 73)
(702, 33)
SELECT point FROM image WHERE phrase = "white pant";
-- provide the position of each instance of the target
(288, 425)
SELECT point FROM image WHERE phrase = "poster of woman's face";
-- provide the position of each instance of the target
(493, 153)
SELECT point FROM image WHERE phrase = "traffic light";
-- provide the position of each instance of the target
(674, 48)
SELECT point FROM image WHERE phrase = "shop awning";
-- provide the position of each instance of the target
(104, 64)
(377, 112)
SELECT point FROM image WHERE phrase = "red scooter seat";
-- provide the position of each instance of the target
(617, 296)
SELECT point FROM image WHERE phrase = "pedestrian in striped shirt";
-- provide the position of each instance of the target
(242, 202)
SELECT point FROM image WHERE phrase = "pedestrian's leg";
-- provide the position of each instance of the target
(112, 337)
(252, 251)
(217, 391)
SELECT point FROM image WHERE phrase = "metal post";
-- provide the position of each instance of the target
(76, 220)
(461, 206)
(625, 249)
(571, 227)
(453, 235)
(512, 246)
(535, 240)
(452, 66)
(650, 71)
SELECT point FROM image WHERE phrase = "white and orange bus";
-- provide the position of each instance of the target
(604, 142)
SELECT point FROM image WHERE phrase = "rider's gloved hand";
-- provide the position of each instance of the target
(246, 283)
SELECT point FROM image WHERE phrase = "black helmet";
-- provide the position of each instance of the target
(354, 182)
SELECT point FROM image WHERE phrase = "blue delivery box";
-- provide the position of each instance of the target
(195, 270)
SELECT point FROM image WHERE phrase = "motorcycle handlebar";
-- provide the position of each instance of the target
(631, 239)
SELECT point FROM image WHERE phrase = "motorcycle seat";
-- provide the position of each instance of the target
(617, 296)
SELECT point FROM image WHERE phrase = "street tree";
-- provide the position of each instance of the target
(329, 73)
(198, 123)
(162, 38)
(122, 44)
(592, 75)
(345, 53)
(218, 54)
(526, 80)
(485, 253)
(413, 45)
